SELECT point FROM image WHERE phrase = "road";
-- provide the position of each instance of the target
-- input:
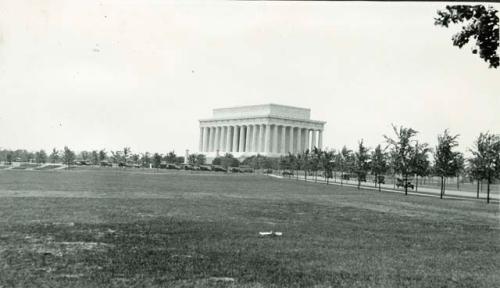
(422, 191)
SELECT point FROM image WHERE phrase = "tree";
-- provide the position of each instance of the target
(228, 160)
(345, 161)
(9, 157)
(94, 157)
(362, 162)
(68, 156)
(84, 155)
(146, 160)
(28, 156)
(474, 170)
(171, 157)
(126, 154)
(117, 156)
(201, 159)
(270, 164)
(41, 156)
(327, 163)
(481, 24)
(460, 164)
(420, 164)
(486, 158)
(445, 162)
(54, 156)
(103, 155)
(402, 150)
(196, 159)
(192, 159)
(304, 162)
(315, 161)
(135, 158)
(378, 164)
(156, 160)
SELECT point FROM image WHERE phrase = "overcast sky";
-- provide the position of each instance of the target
(109, 74)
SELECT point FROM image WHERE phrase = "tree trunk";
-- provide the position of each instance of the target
(488, 190)
(316, 176)
(342, 179)
(458, 182)
(416, 183)
(405, 180)
(327, 176)
(359, 182)
(441, 189)
(305, 175)
(477, 188)
(376, 180)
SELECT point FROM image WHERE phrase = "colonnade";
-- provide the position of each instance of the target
(259, 138)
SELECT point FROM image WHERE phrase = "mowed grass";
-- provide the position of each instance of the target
(114, 228)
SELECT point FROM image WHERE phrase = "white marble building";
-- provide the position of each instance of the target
(268, 129)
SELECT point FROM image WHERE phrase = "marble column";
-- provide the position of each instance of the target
(308, 145)
(261, 138)
(320, 139)
(275, 139)
(236, 131)
(217, 139)
(248, 137)
(222, 140)
(292, 137)
(299, 140)
(283, 140)
(228, 139)
(242, 139)
(200, 145)
(267, 140)
(211, 139)
(313, 139)
(205, 139)
(255, 138)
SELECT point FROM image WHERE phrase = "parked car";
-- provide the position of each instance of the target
(187, 167)
(173, 166)
(380, 179)
(404, 184)
(218, 168)
(246, 169)
(287, 173)
(205, 168)
(236, 170)
(106, 164)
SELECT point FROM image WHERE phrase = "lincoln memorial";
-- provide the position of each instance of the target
(269, 129)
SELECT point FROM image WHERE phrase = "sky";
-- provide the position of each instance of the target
(111, 74)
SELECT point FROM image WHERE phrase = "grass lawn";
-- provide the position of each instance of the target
(116, 228)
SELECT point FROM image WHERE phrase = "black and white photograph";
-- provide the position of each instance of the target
(249, 144)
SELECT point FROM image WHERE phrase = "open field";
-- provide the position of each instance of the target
(115, 228)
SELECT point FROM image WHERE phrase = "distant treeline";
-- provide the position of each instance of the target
(402, 154)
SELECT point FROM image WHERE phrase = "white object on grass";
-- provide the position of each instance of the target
(271, 233)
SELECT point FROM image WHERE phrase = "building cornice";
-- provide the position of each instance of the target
(272, 120)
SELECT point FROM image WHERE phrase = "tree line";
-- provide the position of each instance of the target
(97, 157)
(404, 155)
